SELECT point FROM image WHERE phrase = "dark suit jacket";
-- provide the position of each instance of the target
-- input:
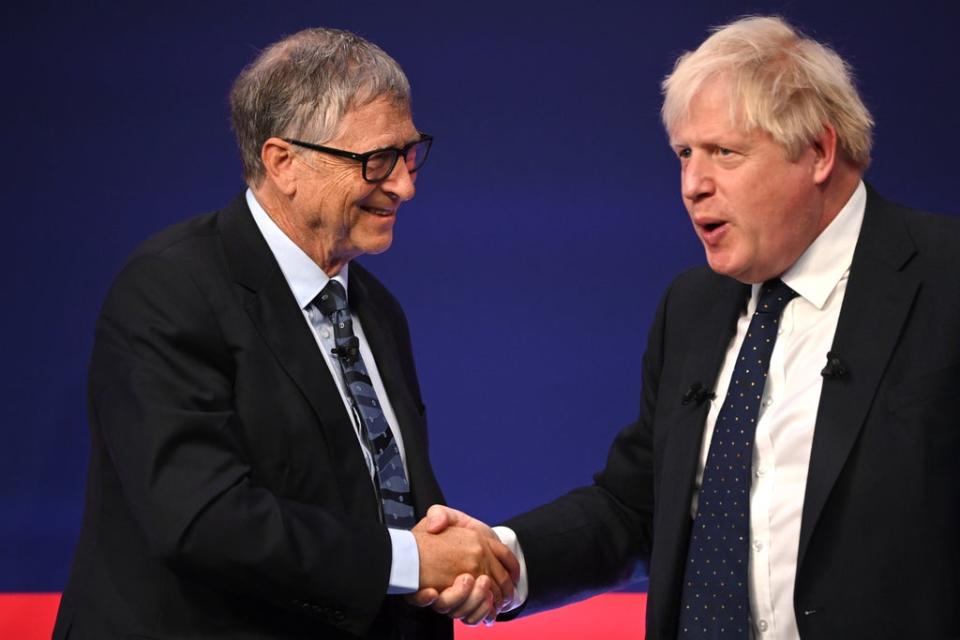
(879, 549)
(227, 493)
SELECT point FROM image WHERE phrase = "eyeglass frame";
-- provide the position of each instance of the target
(362, 158)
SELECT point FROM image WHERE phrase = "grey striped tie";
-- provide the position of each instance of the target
(391, 480)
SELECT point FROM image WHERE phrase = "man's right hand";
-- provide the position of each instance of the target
(449, 552)
(454, 546)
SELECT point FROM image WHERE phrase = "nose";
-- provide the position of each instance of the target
(696, 178)
(399, 184)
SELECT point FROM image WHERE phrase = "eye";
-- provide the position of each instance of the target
(723, 151)
(683, 153)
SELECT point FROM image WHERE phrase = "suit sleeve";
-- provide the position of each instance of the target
(597, 537)
(161, 389)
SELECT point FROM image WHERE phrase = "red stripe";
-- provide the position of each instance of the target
(28, 616)
(615, 616)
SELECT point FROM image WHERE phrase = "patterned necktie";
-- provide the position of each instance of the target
(391, 479)
(716, 598)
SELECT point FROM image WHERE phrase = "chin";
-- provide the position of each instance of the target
(731, 271)
(720, 265)
(377, 245)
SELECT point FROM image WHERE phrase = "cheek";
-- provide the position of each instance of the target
(357, 193)
(344, 201)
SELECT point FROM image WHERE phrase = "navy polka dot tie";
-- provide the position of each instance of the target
(391, 480)
(716, 599)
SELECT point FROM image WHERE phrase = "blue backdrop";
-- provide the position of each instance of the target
(550, 191)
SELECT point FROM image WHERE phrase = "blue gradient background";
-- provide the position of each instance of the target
(550, 198)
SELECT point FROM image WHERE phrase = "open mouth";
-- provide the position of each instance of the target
(712, 231)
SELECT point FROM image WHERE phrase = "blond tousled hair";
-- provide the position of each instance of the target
(780, 81)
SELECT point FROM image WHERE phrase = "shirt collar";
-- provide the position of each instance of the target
(820, 268)
(304, 276)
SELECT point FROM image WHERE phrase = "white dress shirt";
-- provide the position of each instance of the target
(306, 279)
(788, 412)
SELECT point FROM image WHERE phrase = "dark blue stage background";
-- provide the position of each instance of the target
(551, 197)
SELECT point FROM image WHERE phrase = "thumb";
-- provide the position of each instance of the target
(423, 598)
(440, 517)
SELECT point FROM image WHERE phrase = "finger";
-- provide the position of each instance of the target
(503, 582)
(481, 613)
(423, 598)
(476, 603)
(496, 591)
(487, 583)
(440, 517)
(506, 558)
(454, 595)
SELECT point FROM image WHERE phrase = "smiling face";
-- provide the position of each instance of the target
(334, 213)
(754, 209)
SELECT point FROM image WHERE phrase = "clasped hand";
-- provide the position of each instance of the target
(465, 571)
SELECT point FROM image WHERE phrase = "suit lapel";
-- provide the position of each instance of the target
(878, 299)
(279, 319)
(383, 345)
(704, 346)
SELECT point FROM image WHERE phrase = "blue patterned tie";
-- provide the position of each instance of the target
(391, 480)
(716, 598)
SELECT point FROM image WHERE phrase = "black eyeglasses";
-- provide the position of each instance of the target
(379, 163)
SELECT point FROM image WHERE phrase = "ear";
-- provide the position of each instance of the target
(825, 150)
(277, 157)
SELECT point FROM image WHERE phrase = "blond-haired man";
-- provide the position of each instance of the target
(791, 473)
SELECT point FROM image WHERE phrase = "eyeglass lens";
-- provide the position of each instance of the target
(379, 165)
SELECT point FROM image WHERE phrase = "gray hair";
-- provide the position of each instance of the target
(780, 82)
(303, 85)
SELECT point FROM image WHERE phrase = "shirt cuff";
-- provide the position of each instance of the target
(509, 538)
(405, 566)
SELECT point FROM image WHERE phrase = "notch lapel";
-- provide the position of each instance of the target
(274, 311)
(383, 345)
(705, 343)
(877, 302)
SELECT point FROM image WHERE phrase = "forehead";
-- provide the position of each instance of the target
(711, 113)
(381, 123)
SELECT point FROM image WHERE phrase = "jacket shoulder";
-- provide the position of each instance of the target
(902, 234)
(179, 237)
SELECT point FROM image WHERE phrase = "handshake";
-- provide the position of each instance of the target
(466, 572)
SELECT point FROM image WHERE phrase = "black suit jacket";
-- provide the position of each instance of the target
(879, 552)
(227, 494)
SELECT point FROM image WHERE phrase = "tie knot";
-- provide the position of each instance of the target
(332, 298)
(774, 296)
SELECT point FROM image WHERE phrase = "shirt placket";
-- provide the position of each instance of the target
(764, 486)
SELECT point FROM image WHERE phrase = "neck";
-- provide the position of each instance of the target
(280, 208)
(838, 189)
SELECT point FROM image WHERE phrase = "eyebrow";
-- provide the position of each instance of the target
(399, 145)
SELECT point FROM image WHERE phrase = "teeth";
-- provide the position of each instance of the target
(379, 212)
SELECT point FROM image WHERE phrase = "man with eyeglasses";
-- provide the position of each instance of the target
(259, 451)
